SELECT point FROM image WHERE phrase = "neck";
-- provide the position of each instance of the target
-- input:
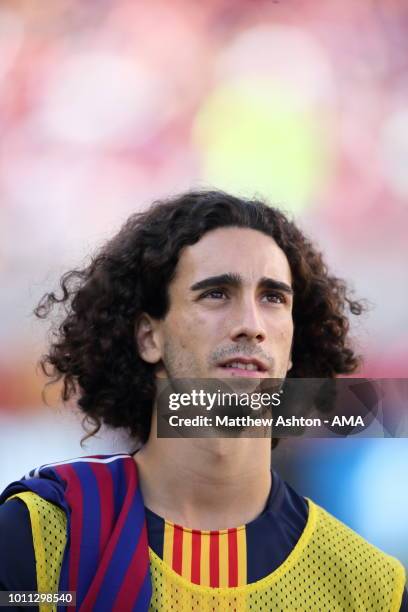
(211, 483)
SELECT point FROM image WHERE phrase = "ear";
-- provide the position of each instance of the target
(290, 364)
(147, 338)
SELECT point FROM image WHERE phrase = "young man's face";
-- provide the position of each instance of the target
(230, 309)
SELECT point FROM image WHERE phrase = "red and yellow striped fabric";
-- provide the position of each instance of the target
(208, 558)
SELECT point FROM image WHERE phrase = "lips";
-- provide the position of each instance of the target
(244, 364)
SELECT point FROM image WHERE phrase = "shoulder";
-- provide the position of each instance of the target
(50, 481)
(79, 461)
(345, 554)
(330, 531)
(33, 537)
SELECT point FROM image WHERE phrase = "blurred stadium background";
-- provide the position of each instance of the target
(107, 105)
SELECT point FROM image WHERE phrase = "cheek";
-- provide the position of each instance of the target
(185, 330)
(196, 333)
(199, 324)
(282, 324)
(282, 332)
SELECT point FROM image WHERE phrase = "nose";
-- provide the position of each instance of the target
(247, 324)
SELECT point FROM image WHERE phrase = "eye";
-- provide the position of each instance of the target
(274, 297)
(214, 294)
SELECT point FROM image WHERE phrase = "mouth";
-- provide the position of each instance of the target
(244, 367)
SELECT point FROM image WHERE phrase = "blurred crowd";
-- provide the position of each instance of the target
(107, 105)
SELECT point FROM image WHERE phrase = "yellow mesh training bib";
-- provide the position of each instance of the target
(48, 526)
(330, 568)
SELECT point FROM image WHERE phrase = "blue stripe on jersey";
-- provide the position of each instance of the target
(122, 554)
(91, 524)
(145, 594)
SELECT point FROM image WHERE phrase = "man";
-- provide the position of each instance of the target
(204, 286)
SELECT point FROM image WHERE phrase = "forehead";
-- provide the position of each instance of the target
(249, 252)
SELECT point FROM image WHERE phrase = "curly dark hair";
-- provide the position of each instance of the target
(93, 350)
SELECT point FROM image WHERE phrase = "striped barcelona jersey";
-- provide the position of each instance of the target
(210, 558)
(120, 555)
(230, 557)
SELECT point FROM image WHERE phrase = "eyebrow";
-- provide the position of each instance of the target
(235, 280)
